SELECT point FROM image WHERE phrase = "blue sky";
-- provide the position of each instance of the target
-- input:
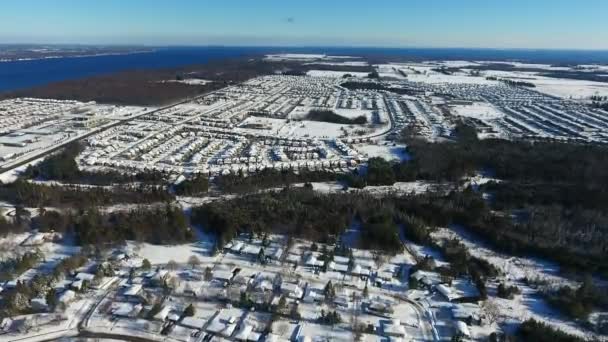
(565, 24)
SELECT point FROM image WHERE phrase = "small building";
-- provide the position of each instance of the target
(228, 330)
(67, 297)
(275, 254)
(237, 247)
(312, 261)
(460, 292)
(467, 312)
(243, 333)
(380, 308)
(133, 292)
(360, 271)
(193, 322)
(85, 276)
(223, 276)
(215, 326)
(77, 285)
(163, 313)
(463, 329)
(127, 310)
(39, 304)
(312, 295)
(426, 279)
(394, 329)
(292, 290)
(173, 317)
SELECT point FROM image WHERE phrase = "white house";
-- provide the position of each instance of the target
(394, 329)
(67, 297)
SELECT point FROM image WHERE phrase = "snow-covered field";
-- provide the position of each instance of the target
(342, 63)
(388, 152)
(337, 74)
(567, 89)
(478, 110)
(558, 87)
(433, 77)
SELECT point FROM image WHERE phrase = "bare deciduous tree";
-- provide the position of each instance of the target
(491, 311)
(172, 265)
(194, 261)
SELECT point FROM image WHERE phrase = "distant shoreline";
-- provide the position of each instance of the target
(23, 59)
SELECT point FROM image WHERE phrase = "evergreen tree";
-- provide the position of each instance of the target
(189, 311)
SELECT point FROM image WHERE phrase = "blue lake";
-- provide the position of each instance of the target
(24, 74)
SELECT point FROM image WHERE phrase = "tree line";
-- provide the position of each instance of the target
(331, 117)
(301, 212)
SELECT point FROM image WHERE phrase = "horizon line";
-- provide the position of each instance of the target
(309, 46)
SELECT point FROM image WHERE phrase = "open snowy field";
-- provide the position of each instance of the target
(336, 74)
(307, 129)
(565, 88)
(342, 63)
(558, 87)
(477, 110)
(388, 152)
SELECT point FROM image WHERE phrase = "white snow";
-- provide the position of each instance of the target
(336, 74)
(478, 110)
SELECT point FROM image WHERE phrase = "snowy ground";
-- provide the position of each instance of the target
(529, 304)
(559, 87)
(308, 129)
(388, 152)
(478, 110)
(338, 74)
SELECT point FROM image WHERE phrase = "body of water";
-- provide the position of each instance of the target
(25, 74)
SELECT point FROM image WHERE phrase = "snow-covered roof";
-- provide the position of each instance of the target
(293, 290)
(458, 290)
(85, 276)
(271, 338)
(237, 247)
(222, 275)
(463, 328)
(394, 329)
(358, 270)
(253, 337)
(465, 310)
(215, 326)
(39, 302)
(228, 330)
(445, 291)
(276, 253)
(312, 295)
(427, 278)
(264, 285)
(312, 260)
(67, 296)
(193, 322)
(163, 313)
(133, 290)
(126, 309)
(381, 306)
(251, 249)
(243, 332)
(338, 267)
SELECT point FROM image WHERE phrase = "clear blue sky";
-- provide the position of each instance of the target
(577, 24)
